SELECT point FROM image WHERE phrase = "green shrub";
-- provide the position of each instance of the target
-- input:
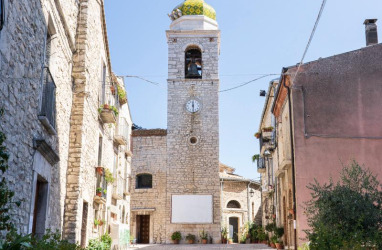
(346, 215)
(176, 236)
(52, 241)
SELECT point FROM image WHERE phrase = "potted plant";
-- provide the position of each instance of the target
(268, 129)
(101, 222)
(109, 176)
(230, 241)
(115, 110)
(190, 238)
(176, 237)
(99, 191)
(224, 234)
(255, 158)
(96, 222)
(99, 170)
(279, 244)
(204, 236)
(121, 95)
(258, 135)
(273, 241)
(112, 88)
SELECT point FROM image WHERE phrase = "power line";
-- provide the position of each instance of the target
(246, 83)
(143, 79)
(311, 37)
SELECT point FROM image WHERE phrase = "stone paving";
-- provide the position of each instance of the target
(198, 246)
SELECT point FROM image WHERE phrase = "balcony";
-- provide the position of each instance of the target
(118, 188)
(107, 114)
(47, 115)
(267, 140)
(101, 190)
(122, 133)
(261, 165)
(126, 190)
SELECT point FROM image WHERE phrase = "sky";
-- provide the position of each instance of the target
(257, 37)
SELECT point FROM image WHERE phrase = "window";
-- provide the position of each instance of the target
(193, 63)
(47, 114)
(40, 207)
(100, 151)
(102, 99)
(2, 14)
(144, 181)
(233, 204)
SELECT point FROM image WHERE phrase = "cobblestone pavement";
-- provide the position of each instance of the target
(203, 247)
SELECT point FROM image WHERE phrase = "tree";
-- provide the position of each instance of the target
(346, 215)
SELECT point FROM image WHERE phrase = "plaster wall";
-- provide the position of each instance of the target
(336, 111)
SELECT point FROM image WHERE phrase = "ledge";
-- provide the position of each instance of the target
(45, 122)
(99, 200)
(46, 150)
(149, 132)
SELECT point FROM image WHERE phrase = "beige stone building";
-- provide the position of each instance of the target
(176, 171)
(241, 202)
(56, 77)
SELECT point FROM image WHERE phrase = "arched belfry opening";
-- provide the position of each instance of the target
(194, 65)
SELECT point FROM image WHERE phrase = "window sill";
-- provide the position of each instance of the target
(45, 122)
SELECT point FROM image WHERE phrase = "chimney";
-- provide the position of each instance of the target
(371, 31)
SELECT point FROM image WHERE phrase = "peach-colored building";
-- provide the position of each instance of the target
(327, 115)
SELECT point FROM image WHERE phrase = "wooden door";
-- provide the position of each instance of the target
(143, 229)
(234, 229)
(84, 223)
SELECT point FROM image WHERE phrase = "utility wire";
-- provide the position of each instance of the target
(246, 83)
(143, 79)
(311, 37)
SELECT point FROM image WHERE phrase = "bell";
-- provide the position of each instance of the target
(193, 71)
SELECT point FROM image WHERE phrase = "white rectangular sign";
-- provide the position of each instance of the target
(192, 209)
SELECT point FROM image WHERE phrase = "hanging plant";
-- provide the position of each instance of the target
(115, 110)
(99, 191)
(109, 176)
(268, 129)
(255, 158)
(258, 135)
(121, 95)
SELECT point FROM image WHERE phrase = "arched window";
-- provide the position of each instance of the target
(233, 204)
(144, 181)
(194, 66)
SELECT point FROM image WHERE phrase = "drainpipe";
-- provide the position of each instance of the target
(293, 164)
(249, 203)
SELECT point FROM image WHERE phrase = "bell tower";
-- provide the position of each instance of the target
(193, 184)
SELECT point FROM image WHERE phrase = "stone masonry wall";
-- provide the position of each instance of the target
(21, 62)
(150, 157)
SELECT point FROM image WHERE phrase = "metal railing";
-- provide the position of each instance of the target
(118, 186)
(123, 129)
(261, 163)
(101, 183)
(48, 103)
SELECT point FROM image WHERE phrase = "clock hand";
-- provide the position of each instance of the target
(193, 108)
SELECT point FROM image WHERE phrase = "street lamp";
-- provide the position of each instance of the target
(252, 193)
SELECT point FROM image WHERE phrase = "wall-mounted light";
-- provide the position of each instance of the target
(251, 193)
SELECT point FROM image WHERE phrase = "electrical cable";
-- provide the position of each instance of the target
(311, 37)
(246, 83)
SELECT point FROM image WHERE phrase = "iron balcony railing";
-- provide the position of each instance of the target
(118, 187)
(122, 132)
(260, 163)
(48, 103)
(101, 183)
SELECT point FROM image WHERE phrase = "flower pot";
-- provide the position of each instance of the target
(112, 88)
(176, 241)
(230, 241)
(291, 211)
(99, 170)
(99, 194)
(106, 106)
(279, 246)
(273, 245)
(224, 241)
(101, 223)
(257, 135)
(190, 241)
(264, 242)
(204, 241)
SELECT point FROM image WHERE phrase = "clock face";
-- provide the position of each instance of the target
(193, 106)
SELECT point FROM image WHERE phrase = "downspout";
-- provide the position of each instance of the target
(293, 164)
(249, 204)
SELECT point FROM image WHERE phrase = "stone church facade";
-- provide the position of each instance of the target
(55, 78)
(176, 171)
